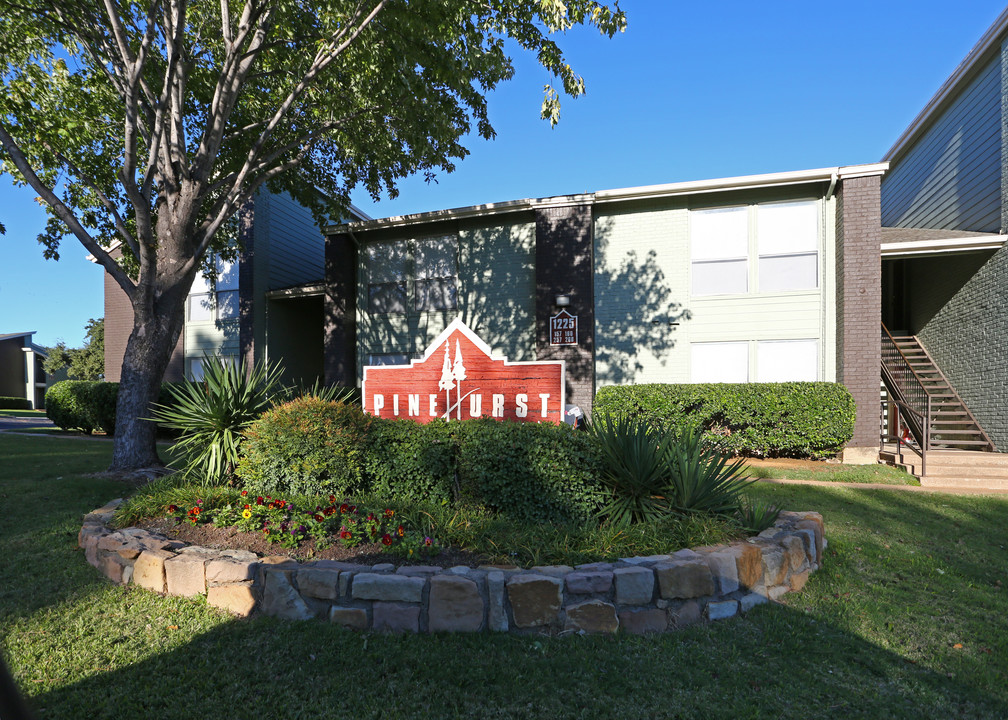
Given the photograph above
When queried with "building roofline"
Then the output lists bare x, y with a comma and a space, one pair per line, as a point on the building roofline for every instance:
693, 187
965, 72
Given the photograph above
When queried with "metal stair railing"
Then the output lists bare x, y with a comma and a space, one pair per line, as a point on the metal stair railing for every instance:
907, 393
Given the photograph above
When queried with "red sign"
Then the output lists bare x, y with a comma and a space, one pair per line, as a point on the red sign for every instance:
458, 378
563, 329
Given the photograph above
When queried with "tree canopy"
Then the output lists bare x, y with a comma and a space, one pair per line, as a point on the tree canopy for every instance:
83, 363
146, 127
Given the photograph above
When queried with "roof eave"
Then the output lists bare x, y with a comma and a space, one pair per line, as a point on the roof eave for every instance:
965, 72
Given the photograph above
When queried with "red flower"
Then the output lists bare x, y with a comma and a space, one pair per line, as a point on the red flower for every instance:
173, 508
319, 518
386, 539
374, 530
401, 531
332, 499
428, 542
346, 534
389, 513
259, 500
353, 508
247, 507
344, 508
244, 493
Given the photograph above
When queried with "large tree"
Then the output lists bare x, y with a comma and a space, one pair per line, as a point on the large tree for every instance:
145, 127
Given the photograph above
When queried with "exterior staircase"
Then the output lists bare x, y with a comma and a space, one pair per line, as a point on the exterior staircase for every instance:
952, 424
957, 453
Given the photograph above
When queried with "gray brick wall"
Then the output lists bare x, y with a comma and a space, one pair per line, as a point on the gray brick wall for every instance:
969, 341
859, 301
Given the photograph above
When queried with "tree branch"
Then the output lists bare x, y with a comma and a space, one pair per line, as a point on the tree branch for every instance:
65, 214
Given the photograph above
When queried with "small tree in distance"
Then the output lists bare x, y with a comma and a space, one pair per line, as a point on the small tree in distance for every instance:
84, 363
148, 125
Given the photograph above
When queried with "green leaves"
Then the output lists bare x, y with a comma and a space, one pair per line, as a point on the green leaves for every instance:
212, 413
651, 474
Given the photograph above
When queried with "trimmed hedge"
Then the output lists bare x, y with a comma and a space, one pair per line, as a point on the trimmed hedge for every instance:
14, 403
792, 419
411, 462
88, 405
70, 405
529, 471
306, 446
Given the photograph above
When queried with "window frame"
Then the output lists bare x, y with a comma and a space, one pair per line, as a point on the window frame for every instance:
753, 258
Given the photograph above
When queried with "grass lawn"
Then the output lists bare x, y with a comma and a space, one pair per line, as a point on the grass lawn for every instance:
785, 469
907, 619
22, 413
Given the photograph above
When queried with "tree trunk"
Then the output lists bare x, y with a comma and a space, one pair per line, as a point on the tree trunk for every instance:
148, 352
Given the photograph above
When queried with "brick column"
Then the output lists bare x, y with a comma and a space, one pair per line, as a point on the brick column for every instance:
340, 357
565, 266
859, 308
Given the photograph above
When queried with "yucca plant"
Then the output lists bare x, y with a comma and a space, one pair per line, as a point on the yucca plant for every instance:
702, 479
636, 471
755, 516
211, 414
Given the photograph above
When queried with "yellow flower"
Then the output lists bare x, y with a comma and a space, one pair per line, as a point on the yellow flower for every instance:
246, 513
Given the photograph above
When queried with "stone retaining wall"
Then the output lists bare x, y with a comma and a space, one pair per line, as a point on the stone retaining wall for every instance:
635, 595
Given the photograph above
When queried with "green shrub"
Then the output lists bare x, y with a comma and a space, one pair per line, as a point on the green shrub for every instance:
701, 480
308, 446
102, 399
210, 415
411, 462
635, 468
537, 472
70, 406
14, 403
794, 419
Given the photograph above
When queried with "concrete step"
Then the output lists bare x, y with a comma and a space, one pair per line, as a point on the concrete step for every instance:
965, 483
953, 471
968, 459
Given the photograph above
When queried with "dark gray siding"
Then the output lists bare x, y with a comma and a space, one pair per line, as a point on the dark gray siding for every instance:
296, 245
951, 178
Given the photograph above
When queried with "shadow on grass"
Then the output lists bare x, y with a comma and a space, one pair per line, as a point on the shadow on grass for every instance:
776, 662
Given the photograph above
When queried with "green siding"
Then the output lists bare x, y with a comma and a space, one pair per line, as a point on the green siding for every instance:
642, 265
495, 292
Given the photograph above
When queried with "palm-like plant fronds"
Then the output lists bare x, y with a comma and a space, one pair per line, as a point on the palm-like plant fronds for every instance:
211, 414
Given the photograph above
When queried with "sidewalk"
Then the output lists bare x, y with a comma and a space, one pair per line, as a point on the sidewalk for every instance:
884, 486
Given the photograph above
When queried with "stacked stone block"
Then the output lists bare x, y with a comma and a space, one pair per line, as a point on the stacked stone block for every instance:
636, 595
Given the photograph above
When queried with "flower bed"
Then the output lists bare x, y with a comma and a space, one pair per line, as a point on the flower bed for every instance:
636, 595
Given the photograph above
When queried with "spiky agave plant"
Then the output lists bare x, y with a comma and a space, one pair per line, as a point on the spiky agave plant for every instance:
211, 414
701, 479
635, 469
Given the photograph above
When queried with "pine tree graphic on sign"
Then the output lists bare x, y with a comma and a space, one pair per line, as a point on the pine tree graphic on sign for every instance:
459, 373
446, 382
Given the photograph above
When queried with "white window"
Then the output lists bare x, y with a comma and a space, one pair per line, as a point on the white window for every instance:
201, 307
215, 301
787, 236
717, 362
719, 250
787, 360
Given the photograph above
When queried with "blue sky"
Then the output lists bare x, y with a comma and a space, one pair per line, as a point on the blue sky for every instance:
690, 91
